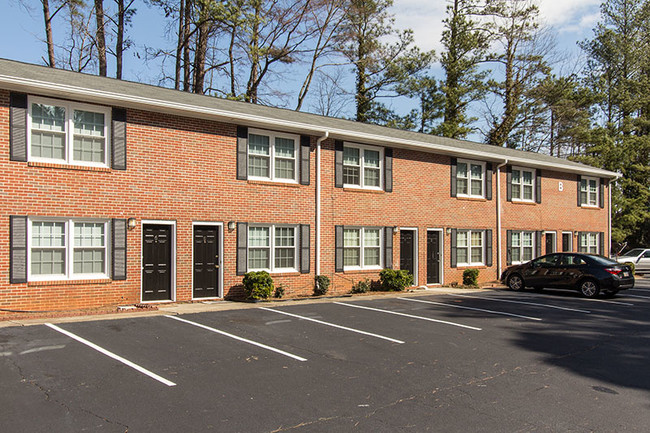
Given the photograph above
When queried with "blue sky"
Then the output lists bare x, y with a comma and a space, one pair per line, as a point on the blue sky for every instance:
22, 31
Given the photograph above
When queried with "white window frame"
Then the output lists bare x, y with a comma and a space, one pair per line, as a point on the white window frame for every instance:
469, 248
362, 148
587, 236
69, 131
272, 135
362, 249
469, 178
521, 247
596, 197
272, 269
69, 247
520, 185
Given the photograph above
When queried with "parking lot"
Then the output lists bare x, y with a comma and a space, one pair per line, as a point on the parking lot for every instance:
487, 361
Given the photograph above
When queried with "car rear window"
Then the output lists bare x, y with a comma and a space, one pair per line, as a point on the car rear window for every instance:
633, 253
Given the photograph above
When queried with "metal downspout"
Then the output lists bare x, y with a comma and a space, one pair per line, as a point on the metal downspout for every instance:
499, 257
318, 188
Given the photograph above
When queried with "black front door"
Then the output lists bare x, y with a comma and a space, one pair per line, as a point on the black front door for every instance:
550, 243
407, 251
566, 242
206, 262
156, 262
433, 257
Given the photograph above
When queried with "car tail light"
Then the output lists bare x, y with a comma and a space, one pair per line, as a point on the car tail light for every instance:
614, 271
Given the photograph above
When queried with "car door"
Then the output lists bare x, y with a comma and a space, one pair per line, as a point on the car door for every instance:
542, 271
570, 269
643, 264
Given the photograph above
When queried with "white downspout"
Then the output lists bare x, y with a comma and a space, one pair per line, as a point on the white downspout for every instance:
499, 257
318, 188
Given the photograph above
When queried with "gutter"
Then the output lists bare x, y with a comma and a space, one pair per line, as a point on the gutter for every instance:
140, 102
318, 190
499, 238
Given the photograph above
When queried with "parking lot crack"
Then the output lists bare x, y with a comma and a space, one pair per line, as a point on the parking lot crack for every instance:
126, 427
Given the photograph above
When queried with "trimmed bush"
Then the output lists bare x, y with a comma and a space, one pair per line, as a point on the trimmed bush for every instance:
258, 285
632, 266
470, 277
322, 285
394, 280
362, 286
279, 292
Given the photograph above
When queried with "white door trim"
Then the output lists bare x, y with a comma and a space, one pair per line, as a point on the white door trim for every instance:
566, 232
442, 255
220, 249
171, 223
554, 233
416, 252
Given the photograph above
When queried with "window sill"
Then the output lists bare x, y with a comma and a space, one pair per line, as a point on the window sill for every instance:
481, 266
590, 206
68, 166
366, 190
68, 282
471, 198
524, 202
272, 183
362, 271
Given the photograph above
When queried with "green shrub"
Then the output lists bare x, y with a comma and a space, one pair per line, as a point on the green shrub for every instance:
322, 285
258, 285
361, 286
470, 277
279, 292
632, 266
395, 280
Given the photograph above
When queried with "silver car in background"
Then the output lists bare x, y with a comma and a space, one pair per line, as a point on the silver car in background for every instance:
639, 256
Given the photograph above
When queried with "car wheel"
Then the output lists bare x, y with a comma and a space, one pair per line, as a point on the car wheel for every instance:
515, 283
610, 293
589, 288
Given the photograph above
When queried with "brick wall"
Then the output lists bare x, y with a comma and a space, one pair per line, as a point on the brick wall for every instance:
184, 170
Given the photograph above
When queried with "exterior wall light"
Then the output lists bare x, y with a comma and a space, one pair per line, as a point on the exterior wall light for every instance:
395, 229
231, 225
448, 230
575, 233
131, 223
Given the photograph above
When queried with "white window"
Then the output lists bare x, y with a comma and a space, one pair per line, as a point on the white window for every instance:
470, 179
272, 156
272, 248
522, 184
68, 133
588, 191
589, 243
469, 248
361, 248
67, 249
522, 247
362, 166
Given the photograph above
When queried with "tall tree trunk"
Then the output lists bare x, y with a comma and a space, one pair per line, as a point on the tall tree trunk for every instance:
231, 59
200, 52
186, 46
48, 33
181, 43
251, 88
100, 37
119, 44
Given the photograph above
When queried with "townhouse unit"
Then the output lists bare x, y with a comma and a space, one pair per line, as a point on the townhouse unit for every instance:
118, 193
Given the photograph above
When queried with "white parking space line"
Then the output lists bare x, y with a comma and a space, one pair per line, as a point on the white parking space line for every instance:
411, 316
112, 355
557, 307
245, 340
470, 308
333, 325
637, 296
604, 301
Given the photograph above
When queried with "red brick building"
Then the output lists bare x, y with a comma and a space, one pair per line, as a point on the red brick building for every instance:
116, 193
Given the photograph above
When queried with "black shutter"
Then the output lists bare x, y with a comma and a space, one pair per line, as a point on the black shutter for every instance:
453, 251
242, 248
509, 247
242, 153
509, 183
452, 181
488, 248
388, 247
338, 164
18, 249
18, 126
602, 194
304, 248
581, 235
538, 186
118, 267
388, 169
338, 261
305, 146
601, 243
488, 181
118, 144
538, 243
579, 181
